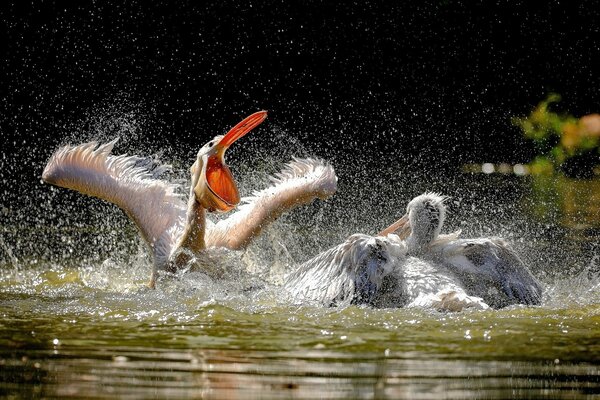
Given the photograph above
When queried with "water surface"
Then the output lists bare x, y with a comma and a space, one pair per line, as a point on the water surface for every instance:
78, 321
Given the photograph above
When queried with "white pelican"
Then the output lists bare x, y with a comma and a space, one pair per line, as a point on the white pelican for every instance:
421, 269
377, 271
486, 267
172, 229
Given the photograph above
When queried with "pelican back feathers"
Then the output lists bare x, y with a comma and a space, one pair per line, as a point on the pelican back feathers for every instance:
489, 268
350, 273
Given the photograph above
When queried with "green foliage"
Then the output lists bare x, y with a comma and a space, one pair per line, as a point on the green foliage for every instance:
561, 140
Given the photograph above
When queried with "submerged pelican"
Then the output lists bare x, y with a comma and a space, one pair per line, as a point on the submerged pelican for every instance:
173, 230
417, 268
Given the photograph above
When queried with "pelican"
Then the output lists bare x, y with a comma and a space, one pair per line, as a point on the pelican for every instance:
174, 230
377, 271
487, 268
418, 267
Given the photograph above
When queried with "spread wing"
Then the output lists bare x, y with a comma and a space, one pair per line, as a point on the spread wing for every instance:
130, 182
300, 182
492, 263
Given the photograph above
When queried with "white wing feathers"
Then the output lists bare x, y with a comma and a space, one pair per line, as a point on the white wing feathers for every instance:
157, 208
130, 182
484, 264
300, 182
330, 277
349, 273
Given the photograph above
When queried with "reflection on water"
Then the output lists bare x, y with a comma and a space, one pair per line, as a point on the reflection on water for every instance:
77, 320
317, 374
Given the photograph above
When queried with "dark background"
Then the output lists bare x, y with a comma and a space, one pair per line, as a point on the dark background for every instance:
417, 84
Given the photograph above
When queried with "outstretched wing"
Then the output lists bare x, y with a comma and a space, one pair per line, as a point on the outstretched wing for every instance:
130, 182
300, 182
484, 264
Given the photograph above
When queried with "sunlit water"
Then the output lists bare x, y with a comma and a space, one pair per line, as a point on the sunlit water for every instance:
78, 321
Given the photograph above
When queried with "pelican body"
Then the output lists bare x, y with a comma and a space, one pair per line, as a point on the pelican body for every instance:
377, 271
417, 267
353, 272
175, 230
487, 268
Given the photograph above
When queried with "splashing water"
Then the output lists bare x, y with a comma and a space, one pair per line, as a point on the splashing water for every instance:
77, 315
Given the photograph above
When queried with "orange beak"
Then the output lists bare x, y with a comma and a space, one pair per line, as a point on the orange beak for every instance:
400, 227
224, 194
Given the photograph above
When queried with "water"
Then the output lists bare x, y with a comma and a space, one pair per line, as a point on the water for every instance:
78, 321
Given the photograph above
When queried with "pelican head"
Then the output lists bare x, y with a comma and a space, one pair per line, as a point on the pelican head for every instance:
422, 223
212, 181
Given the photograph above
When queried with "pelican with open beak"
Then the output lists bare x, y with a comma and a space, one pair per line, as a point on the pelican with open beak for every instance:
173, 229
212, 181
212, 189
